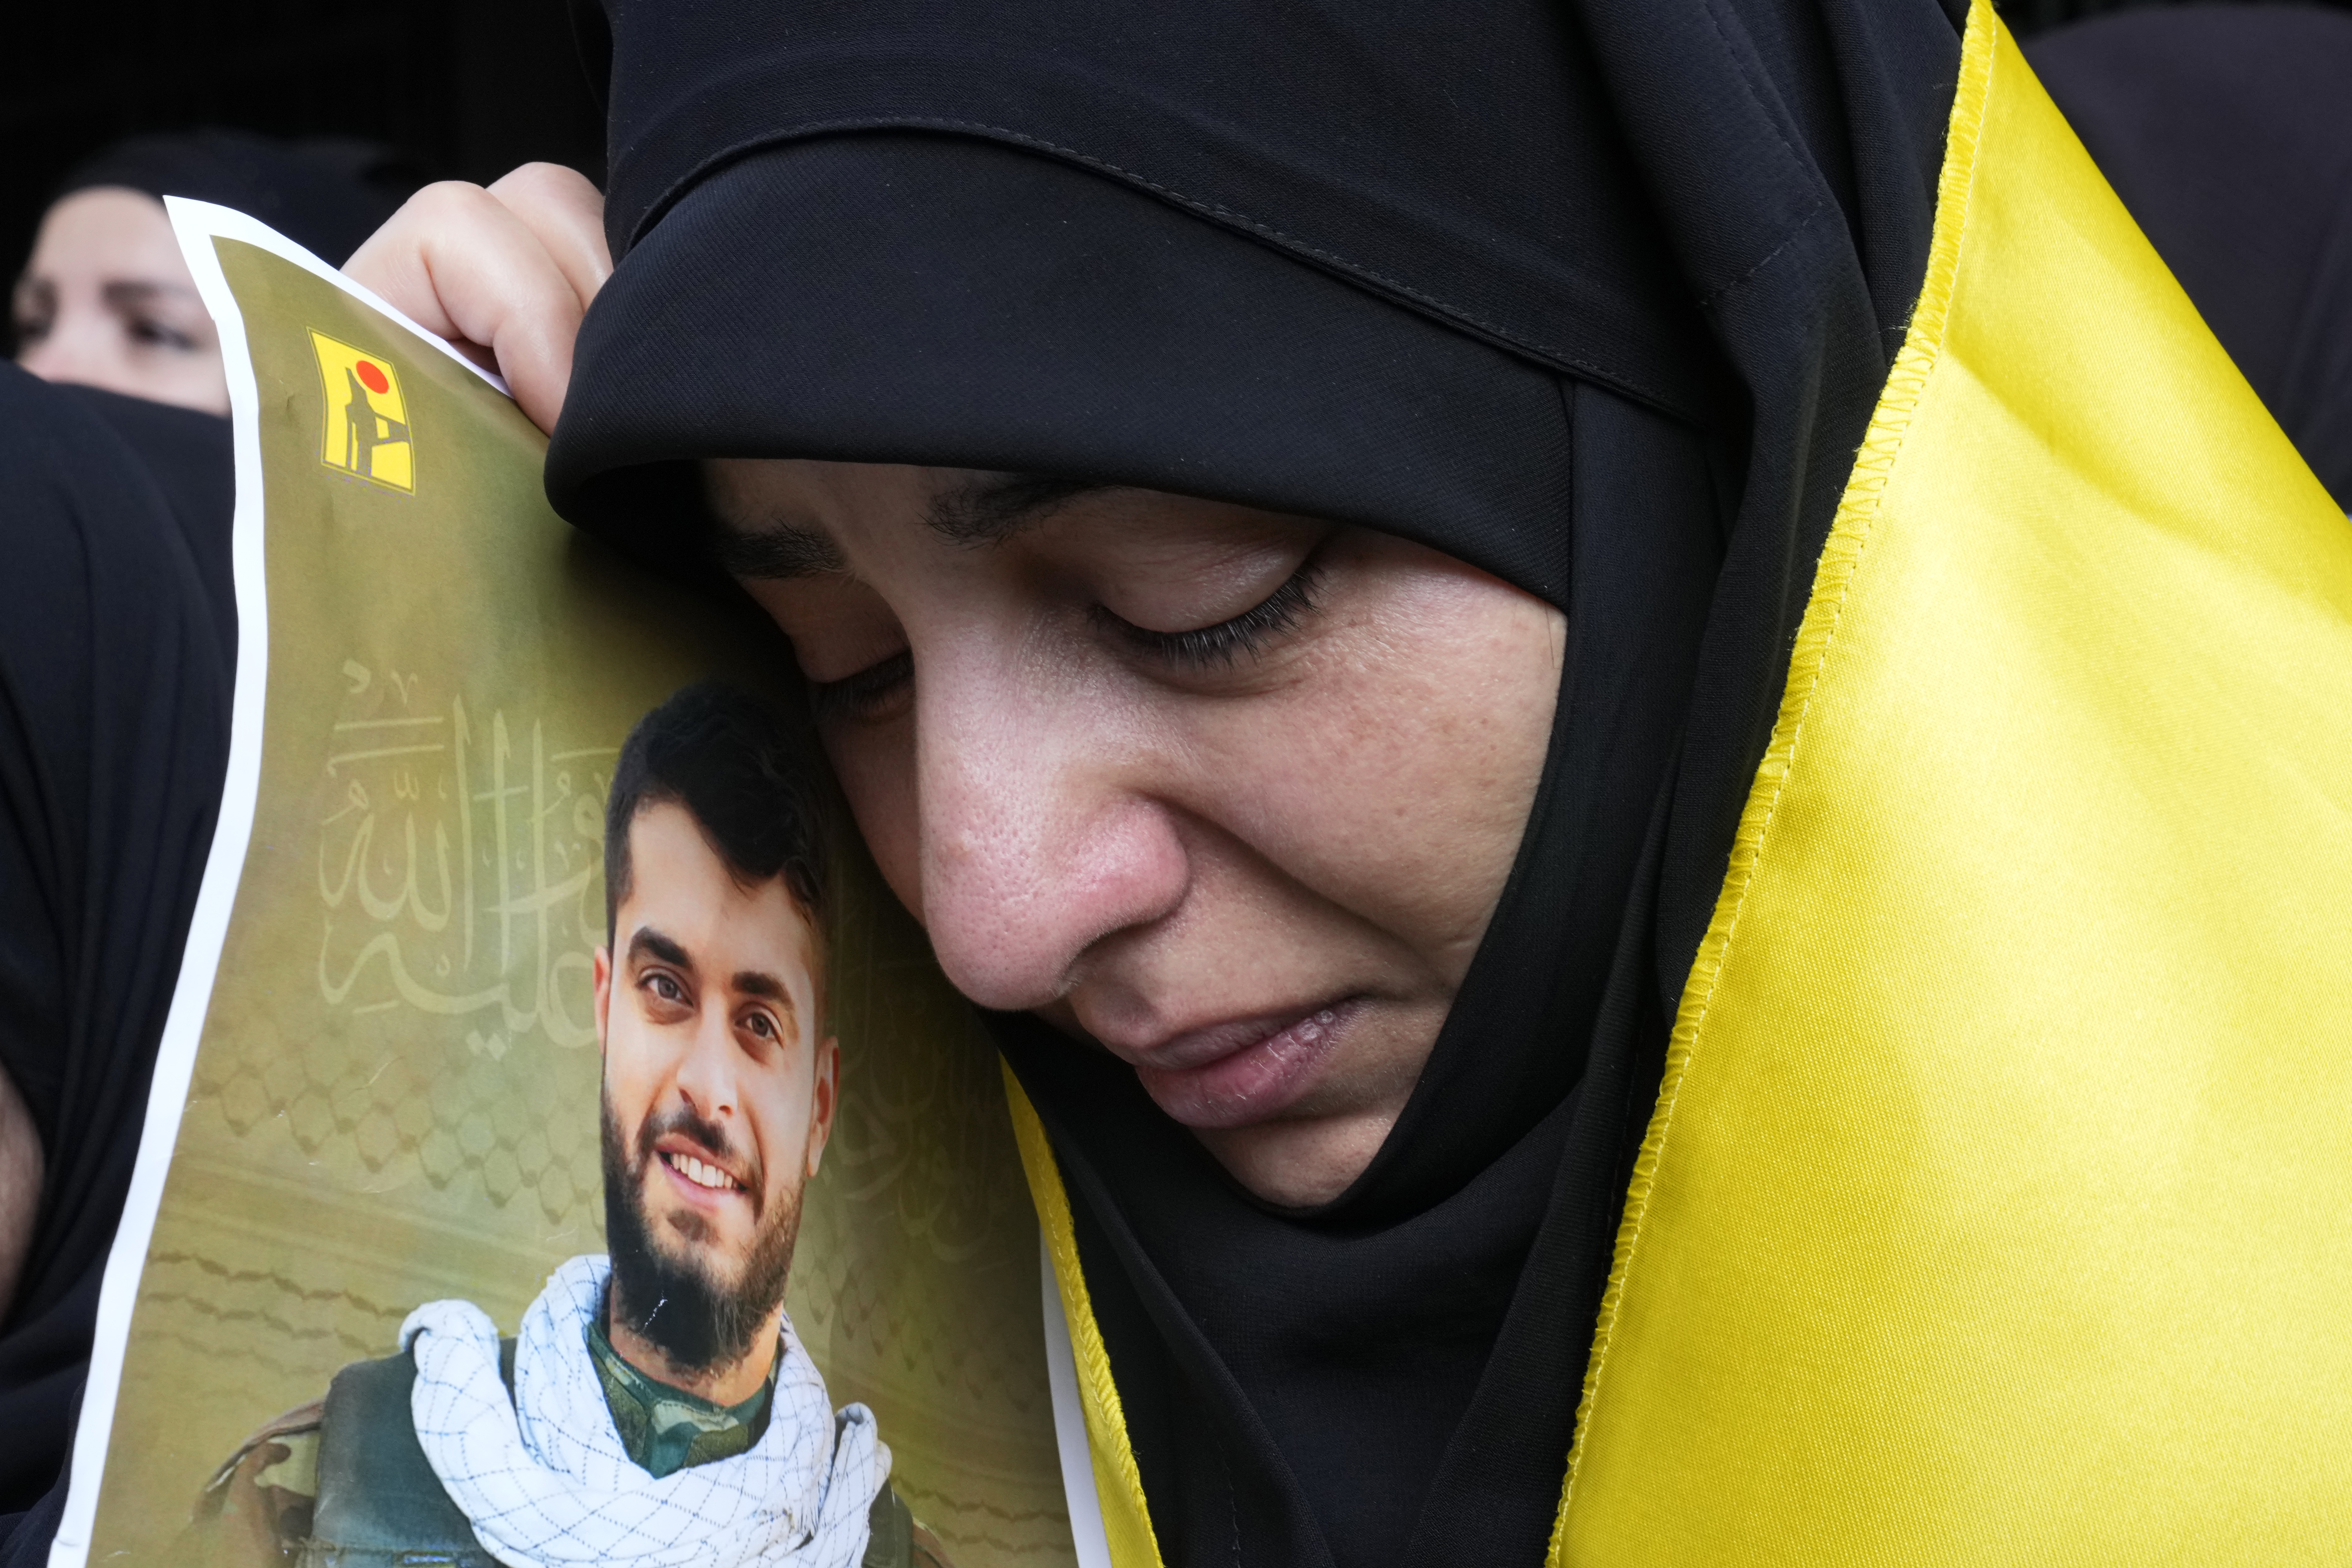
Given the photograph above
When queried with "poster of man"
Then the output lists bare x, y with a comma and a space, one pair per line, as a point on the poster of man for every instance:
657, 1406
561, 1124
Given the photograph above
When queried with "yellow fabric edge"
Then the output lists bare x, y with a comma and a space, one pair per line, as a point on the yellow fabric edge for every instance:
1841, 554
1118, 1484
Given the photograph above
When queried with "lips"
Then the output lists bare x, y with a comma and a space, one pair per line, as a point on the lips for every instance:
1245, 1070
694, 1174
700, 1173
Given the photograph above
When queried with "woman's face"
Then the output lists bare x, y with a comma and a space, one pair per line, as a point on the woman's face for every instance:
1230, 793
106, 301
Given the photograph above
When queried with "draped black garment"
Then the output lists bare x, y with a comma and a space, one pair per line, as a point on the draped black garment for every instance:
117, 661
1595, 296
2227, 130
115, 677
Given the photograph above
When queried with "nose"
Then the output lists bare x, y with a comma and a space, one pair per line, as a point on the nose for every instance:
1040, 831
706, 1076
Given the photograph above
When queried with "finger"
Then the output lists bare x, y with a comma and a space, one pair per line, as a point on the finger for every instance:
464, 265
567, 213
392, 261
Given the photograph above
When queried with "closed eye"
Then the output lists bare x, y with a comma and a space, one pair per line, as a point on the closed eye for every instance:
874, 690
1222, 646
865, 694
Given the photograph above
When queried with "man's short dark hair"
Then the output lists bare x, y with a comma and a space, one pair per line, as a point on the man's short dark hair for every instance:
728, 758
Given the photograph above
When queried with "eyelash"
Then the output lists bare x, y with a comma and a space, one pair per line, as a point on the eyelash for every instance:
1223, 646
859, 696
1204, 648
157, 334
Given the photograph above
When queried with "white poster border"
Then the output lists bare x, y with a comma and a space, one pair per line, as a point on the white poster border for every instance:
198, 226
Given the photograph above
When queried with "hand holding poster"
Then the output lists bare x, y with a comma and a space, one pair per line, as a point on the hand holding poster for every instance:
563, 1149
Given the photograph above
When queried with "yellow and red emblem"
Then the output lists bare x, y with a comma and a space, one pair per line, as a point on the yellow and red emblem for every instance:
366, 431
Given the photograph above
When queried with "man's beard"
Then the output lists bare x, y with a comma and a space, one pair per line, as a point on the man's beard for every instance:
695, 1320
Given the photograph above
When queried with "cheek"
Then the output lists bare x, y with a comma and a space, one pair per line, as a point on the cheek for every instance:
1394, 779
780, 1126
634, 1070
876, 769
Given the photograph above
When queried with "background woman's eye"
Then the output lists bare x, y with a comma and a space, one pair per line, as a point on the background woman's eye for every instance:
1223, 645
866, 694
33, 311
158, 335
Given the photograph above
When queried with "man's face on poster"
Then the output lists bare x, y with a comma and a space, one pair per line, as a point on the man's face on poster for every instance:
719, 1091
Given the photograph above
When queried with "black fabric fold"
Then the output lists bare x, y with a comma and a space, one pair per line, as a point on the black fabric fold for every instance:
1298, 393
1334, 133
115, 682
188, 455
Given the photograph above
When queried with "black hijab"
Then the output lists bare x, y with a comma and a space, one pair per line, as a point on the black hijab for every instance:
2227, 130
1597, 297
115, 676
325, 193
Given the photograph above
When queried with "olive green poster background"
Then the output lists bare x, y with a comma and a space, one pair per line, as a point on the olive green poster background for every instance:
395, 1096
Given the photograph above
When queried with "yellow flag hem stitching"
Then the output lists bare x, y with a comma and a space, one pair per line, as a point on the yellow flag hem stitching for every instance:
1840, 558
1127, 1518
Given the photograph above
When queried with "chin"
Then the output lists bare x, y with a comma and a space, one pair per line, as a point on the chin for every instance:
1302, 1163
691, 1229
687, 1242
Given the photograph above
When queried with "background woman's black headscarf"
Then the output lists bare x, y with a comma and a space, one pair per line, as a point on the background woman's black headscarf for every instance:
326, 193
1597, 297
116, 656
2227, 130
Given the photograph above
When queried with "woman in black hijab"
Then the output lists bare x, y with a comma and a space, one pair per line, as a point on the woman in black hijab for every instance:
115, 672
1594, 301
106, 300
2224, 129
117, 658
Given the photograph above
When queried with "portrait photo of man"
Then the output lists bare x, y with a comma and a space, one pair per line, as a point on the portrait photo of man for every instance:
655, 1405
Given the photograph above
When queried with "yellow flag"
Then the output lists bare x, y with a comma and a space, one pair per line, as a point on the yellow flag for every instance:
1993, 1212
365, 430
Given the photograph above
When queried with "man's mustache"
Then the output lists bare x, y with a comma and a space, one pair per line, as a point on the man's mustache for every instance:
716, 1148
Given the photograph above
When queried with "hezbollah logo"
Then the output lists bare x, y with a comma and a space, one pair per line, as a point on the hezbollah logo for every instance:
366, 428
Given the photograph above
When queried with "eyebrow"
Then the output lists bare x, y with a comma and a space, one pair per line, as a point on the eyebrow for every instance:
759, 982
124, 293
988, 510
776, 550
648, 940
995, 507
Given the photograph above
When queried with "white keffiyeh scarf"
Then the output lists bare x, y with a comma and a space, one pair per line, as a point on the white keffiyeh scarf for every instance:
543, 1479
